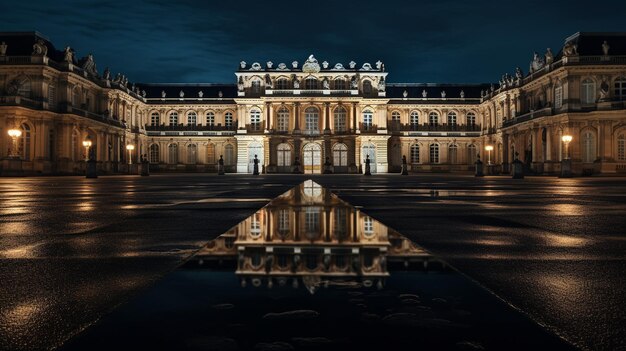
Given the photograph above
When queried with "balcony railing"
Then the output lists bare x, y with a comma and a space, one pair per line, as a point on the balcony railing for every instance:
547, 111
397, 127
197, 127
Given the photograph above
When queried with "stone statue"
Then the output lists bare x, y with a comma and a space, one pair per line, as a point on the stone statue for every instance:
220, 165
282, 67
405, 170
90, 65
368, 171
163, 94
352, 64
462, 94
256, 166
68, 55
242, 64
381, 85
570, 49
354, 83
325, 64
604, 89
181, 94
294, 64
3, 49
379, 65
132, 87
424, 94
143, 93
268, 81
405, 94
443, 94
240, 84
325, 83
118, 78
605, 48
549, 56
220, 94
311, 65
296, 165
107, 74
482, 93
518, 73
200, 94
537, 63
40, 48
296, 83
270, 64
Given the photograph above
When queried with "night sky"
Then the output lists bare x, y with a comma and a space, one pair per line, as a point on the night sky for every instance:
439, 41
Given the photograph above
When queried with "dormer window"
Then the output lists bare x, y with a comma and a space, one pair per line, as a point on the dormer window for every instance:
367, 87
310, 83
340, 84
256, 87
282, 84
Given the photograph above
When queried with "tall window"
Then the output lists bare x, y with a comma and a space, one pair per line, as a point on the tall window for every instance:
192, 118
621, 148
154, 153
229, 155
452, 154
415, 153
191, 154
283, 119
558, 96
210, 119
155, 119
434, 153
173, 153
284, 155
620, 88
588, 91
310, 83
452, 119
367, 119
471, 154
433, 119
174, 118
283, 221
340, 155
228, 119
368, 226
311, 119
25, 144
210, 153
52, 96
471, 120
589, 147
255, 119
415, 119
340, 119
25, 87
367, 87
340, 84
256, 87
282, 84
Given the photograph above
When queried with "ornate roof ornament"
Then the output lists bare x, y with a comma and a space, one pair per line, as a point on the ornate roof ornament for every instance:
462, 94
3, 49
424, 93
269, 64
68, 54
242, 64
40, 48
366, 67
311, 65
220, 94
163, 94
181, 94
405, 94
282, 67
338, 67
294, 64
90, 65
352, 64
200, 94
379, 65
605, 48
255, 67
443, 94
570, 49
325, 64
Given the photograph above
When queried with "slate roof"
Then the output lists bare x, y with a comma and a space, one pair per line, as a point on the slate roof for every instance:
191, 90
453, 91
21, 44
590, 43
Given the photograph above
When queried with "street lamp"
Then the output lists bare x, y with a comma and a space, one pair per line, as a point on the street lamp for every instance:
566, 163
489, 148
130, 148
14, 134
87, 144
566, 139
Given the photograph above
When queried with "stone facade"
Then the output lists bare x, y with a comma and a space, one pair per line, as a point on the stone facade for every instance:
312, 113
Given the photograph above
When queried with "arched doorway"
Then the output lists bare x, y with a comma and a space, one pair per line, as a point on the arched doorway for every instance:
369, 149
340, 158
255, 149
312, 153
283, 152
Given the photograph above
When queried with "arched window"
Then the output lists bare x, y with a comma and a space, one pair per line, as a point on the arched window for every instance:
367, 87
433, 119
471, 154
25, 143
452, 119
228, 119
282, 84
395, 116
588, 91
558, 96
471, 120
620, 88
310, 83
210, 153
452, 154
367, 119
24, 88
621, 148
340, 84
210, 118
229, 155
284, 155
340, 155
283, 119
589, 147
256, 86
174, 118
415, 153
255, 119
154, 153
311, 119
155, 119
434, 153
339, 119
192, 118
415, 119
191, 154
172, 154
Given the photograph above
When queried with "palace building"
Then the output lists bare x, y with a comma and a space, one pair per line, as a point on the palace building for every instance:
57, 110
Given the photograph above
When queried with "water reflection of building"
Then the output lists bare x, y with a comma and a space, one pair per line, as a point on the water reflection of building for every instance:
310, 234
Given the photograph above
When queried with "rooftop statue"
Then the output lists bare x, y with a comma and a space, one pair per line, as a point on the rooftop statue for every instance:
90, 65
570, 49
518, 73
325, 64
200, 94
68, 55
549, 56
424, 94
537, 63
443, 94
605, 48
3, 49
352, 64
311, 65
242, 64
107, 74
163, 94
143, 93
462, 94
220, 94
294, 64
282, 66
379, 65
40, 48
181, 94
405, 93
270, 64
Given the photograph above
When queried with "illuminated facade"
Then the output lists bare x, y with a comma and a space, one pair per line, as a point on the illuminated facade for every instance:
312, 113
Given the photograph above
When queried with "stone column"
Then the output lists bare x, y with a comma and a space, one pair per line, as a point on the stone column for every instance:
355, 126
296, 110
268, 116
326, 118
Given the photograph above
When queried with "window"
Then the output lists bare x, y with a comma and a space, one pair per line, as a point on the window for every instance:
433, 119
52, 96
154, 153
452, 154
256, 86
434, 153
255, 225
255, 119
229, 155
191, 154
415, 153
75, 97
340, 155
558, 96
415, 119
311, 119
589, 147
368, 226
24, 87
283, 221
620, 88
283, 119
588, 91
340, 84
395, 116
192, 118
25, 144
452, 119
284, 155
210, 119
471, 120
310, 83
471, 154
210, 153
340, 223
173, 154
340, 119
621, 148
154, 119
228, 119
174, 118
367, 119
282, 84
312, 221
367, 87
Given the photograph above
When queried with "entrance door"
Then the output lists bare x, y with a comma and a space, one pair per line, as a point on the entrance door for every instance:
369, 149
255, 149
312, 158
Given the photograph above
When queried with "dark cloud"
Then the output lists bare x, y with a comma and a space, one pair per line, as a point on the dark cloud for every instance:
203, 41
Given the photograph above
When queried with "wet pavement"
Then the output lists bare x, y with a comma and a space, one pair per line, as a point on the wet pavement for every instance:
73, 249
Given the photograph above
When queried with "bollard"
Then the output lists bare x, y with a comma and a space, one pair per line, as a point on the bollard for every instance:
566, 168
92, 170
145, 168
518, 168
478, 167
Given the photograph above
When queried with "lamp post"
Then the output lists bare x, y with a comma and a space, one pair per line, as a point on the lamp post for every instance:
87, 144
130, 148
489, 148
14, 134
566, 163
